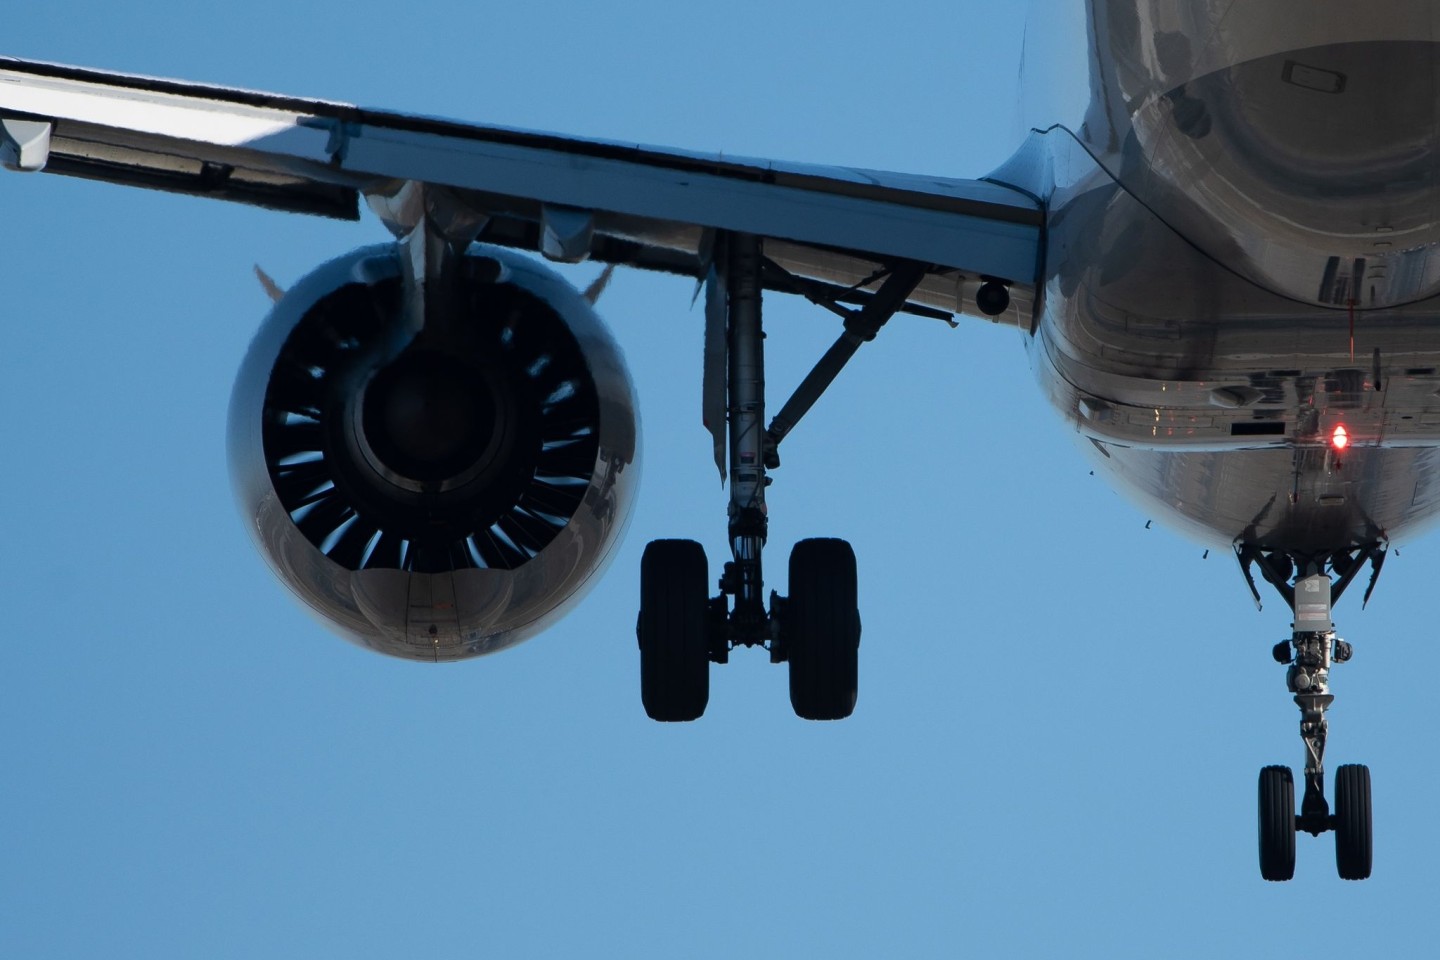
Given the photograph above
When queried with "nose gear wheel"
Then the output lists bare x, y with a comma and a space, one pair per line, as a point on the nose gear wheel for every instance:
1352, 822
1277, 823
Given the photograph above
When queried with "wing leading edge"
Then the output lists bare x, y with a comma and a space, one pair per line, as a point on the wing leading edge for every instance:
565, 197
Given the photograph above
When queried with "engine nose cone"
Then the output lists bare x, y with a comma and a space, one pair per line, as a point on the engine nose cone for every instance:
429, 417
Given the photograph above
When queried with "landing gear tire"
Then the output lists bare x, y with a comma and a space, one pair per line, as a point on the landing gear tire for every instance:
821, 630
1352, 821
1277, 823
672, 630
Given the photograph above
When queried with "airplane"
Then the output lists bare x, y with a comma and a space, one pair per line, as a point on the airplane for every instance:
1221, 270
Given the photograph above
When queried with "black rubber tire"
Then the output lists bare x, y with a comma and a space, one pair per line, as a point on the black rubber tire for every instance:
1353, 838
1277, 823
821, 630
673, 630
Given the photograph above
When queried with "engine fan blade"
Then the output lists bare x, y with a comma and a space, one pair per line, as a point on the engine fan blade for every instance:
293, 389
388, 554
301, 483
497, 552
460, 556
284, 440
565, 417
527, 532
324, 518
349, 550
556, 500
576, 461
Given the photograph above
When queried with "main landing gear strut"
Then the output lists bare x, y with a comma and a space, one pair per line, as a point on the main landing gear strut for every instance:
816, 629
1310, 653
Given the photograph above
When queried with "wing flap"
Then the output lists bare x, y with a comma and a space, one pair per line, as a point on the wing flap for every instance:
231, 179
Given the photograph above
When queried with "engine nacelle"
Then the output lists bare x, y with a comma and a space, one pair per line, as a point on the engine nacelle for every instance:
439, 495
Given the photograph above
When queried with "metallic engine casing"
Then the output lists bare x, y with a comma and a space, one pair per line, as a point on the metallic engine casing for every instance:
457, 614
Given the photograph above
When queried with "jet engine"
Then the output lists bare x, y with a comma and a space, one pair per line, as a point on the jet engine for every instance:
436, 490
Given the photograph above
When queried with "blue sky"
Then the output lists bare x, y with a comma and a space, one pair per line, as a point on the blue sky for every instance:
1062, 713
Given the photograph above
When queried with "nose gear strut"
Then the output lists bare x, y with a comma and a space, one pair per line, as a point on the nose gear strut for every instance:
1310, 653
1309, 680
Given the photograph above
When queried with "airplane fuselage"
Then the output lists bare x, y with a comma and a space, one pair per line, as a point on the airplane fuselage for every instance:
1243, 255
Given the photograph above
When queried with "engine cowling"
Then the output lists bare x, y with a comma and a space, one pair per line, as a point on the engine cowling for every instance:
442, 495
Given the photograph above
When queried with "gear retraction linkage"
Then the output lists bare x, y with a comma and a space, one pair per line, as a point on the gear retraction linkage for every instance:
861, 326
735, 332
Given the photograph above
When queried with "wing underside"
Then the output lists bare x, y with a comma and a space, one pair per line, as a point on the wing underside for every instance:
830, 232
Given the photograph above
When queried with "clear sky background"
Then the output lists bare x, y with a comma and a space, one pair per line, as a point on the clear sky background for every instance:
1062, 713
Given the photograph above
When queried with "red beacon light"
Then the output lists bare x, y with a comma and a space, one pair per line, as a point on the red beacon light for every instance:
1340, 439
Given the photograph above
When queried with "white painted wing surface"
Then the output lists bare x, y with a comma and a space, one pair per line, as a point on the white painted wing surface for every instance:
650, 208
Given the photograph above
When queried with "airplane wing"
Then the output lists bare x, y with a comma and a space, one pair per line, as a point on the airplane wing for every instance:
829, 231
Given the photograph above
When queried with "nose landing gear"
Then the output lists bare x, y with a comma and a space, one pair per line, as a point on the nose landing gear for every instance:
1308, 680
1310, 653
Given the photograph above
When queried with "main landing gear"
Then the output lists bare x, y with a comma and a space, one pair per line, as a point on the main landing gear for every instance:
1310, 653
816, 629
